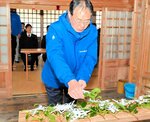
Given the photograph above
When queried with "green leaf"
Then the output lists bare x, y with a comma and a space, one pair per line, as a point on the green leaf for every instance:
67, 115
36, 105
86, 94
93, 114
40, 119
51, 118
135, 111
132, 108
27, 115
83, 104
46, 113
96, 91
122, 107
93, 94
146, 105
94, 111
50, 109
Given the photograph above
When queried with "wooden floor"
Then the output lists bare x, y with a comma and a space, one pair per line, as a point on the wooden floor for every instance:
9, 108
33, 85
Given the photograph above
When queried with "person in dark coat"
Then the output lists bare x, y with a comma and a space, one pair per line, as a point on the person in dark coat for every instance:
28, 41
43, 45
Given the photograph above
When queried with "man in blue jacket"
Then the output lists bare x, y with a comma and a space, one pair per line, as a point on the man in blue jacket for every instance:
15, 31
71, 47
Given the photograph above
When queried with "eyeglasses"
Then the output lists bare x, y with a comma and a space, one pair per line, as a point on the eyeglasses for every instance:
80, 21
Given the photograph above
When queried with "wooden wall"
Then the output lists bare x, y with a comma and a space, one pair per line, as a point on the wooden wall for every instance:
140, 47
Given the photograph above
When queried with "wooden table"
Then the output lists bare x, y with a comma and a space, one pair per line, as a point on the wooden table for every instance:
29, 51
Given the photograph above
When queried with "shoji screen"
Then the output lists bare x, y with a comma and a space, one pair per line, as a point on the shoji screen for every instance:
115, 46
5, 55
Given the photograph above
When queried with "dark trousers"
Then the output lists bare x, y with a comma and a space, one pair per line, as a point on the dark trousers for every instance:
31, 60
59, 96
36, 58
13, 47
44, 56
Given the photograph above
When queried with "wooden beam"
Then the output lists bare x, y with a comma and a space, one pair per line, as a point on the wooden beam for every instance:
96, 3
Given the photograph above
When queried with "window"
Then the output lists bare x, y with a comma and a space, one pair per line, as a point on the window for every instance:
98, 19
32, 17
50, 16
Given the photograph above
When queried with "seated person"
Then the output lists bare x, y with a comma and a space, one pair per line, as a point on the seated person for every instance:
43, 45
28, 41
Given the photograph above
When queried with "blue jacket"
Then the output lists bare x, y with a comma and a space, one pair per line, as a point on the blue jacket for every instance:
15, 24
70, 54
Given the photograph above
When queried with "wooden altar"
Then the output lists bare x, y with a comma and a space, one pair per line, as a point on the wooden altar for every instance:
143, 114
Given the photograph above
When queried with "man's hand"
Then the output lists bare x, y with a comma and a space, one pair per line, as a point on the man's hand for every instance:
75, 90
82, 83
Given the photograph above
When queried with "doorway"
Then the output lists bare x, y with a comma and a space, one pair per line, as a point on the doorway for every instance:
39, 19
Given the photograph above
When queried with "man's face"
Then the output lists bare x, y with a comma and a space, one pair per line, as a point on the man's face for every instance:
28, 29
80, 19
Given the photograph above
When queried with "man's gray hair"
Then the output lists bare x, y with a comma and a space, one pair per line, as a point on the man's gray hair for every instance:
82, 3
